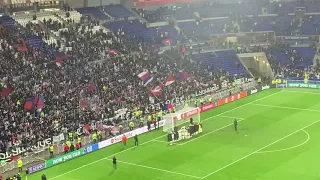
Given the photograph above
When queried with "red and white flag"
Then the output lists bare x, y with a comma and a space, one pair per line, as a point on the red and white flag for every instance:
169, 80
157, 90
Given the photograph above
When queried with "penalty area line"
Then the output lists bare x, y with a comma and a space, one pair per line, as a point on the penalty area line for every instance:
255, 152
285, 107
289, 148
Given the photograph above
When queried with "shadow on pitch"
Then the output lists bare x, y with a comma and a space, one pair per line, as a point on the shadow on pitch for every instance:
111, 172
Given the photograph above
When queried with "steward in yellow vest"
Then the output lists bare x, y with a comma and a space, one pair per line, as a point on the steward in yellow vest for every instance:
94, 137
99, 135
51, 150
70, 136
20, 164
259, 80
68, 143
131, 125
79, 141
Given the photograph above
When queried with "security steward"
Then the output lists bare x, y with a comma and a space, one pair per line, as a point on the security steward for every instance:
259, 80
94, 137
99, 135
70, 136
159, 119
201, 102
51, 150
141, 121
131, 125
20, 164
79, 141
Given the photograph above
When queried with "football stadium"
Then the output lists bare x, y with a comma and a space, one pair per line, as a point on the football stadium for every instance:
277, 137
159, 89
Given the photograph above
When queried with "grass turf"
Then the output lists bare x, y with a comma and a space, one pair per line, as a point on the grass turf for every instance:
277, 139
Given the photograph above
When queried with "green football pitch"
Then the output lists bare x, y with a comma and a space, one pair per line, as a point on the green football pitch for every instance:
278, 139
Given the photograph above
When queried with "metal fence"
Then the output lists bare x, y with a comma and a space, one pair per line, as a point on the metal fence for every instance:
43, 154
30, 158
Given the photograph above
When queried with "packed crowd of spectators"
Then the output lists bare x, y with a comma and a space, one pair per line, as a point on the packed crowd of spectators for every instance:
98, 77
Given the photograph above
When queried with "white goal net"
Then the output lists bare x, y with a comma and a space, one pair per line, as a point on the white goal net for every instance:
180, 118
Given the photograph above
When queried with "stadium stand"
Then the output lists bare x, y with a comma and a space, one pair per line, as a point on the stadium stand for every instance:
87, 71
117, 11
95, 12
135, 28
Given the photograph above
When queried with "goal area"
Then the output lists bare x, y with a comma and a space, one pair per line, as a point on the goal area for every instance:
181, 117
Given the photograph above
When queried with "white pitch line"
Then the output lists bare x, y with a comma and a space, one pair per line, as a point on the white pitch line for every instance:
302, 92
161, 136
232, 117
285, 107
158, 169
278, 150
244, 157
165, 142
193, 139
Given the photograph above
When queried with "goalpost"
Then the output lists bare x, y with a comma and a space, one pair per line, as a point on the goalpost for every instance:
181, 117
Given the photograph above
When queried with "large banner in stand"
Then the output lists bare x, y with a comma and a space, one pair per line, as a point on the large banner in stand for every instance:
125, 112
17, 151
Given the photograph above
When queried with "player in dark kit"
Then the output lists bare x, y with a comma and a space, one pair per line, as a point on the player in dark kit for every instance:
43, 177
136, 142
114, 161
235, 124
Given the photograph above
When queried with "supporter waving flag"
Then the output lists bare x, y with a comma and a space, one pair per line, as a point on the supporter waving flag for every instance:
113, 51
169, 80
40, 103
181, 76
145, 77
29, 104
91, 88
5, 92
168, 106
157, 90
58, 63
59, 60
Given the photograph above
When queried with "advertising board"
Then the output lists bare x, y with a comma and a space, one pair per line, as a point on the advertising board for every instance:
65, 157
232, 98
91, 148
265, 87
303, 85
36, 168
207, 107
